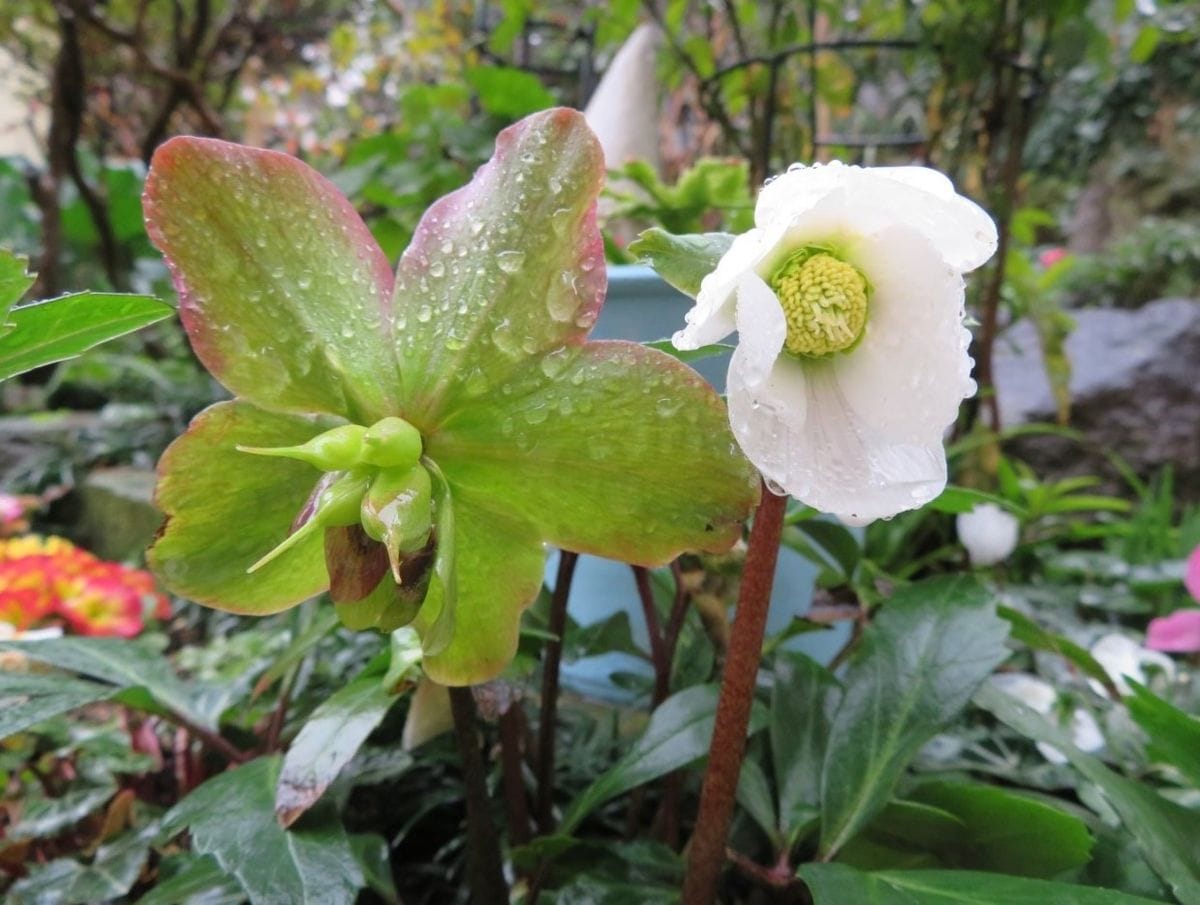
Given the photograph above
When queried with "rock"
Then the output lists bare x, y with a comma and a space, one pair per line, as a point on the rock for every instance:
117, 518
1135, 392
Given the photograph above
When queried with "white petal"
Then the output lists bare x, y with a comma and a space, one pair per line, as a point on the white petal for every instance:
712, 317
1029, 689
917, 197
762, 329
911, 370
798, 430
1122, 656
1085, 731
989, 533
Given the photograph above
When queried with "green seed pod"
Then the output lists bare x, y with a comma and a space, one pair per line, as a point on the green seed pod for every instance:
398, 511
338, 504
334, 450
391, 443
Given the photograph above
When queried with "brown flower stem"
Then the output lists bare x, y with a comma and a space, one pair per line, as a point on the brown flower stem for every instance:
658, 648
484, 865
552, 660
516, 805
706, 851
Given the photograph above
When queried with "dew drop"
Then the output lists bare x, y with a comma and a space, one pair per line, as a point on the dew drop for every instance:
424, 313
510, 261
437, 269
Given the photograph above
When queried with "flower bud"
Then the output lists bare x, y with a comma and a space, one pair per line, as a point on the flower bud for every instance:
989, 533
337, 505
398, 511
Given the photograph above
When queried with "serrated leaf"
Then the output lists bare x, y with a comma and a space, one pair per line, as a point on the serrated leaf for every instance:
679, 732
931, 646
232, 818
27, 699
61, 328
122, 663
683, 261
225, 509
327, 741
112, 872
1168, 834
837, 884
283, 292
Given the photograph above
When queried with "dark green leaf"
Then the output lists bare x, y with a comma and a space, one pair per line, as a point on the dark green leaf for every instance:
755, 796
28, 698
841, 547
917, 667
232, 818
836, 884
65, 881
1006, 832
679, 732
1174, 735
61, 328
683, 261
802, 700
46, 817
126, 664
332, 735
371, 851
1168, 834
200, 880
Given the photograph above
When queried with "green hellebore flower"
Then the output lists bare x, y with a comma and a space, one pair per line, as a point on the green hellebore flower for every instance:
474, 355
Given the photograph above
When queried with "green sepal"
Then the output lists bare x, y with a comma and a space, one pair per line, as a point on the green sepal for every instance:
437, 619
398, 512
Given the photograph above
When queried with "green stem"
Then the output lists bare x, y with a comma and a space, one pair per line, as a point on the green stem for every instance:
706, 851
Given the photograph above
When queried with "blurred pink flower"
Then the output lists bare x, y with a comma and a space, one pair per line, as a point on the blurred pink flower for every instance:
1052, 256
11, 508
1178, 633
1191, 577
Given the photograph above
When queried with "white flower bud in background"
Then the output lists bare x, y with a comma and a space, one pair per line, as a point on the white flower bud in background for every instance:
989, 533
1040, 696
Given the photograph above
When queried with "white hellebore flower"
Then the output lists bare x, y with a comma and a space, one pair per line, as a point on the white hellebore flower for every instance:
852, 357
1041, 696
989, 533
1122, 656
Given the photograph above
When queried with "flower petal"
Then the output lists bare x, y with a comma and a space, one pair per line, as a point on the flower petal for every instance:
500, 561
283, 291
225, 509
503, 270
613, 449
908, 375
918, 197
1178, 632
762, 329
799, 430
712, 317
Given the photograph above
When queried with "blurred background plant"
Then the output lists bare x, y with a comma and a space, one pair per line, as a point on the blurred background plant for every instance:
1075, 122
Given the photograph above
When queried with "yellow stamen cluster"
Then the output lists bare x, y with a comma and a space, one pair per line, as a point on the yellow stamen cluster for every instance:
824, 301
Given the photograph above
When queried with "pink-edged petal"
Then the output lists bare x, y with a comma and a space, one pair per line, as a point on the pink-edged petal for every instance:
1191, 577
1177, 633
504, 270
283, 292
910, 372
611, 448
225, 509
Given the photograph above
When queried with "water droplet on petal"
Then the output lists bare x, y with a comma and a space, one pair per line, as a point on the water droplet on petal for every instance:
510, 261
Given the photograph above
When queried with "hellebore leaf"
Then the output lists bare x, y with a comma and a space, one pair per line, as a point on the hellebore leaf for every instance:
225, 509
611, 448
504, 270
283, 291
683, 261
15, 281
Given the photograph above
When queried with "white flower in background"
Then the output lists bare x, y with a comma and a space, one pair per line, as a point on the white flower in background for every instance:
1122, 656
1041, 696
989, 533
852, 357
